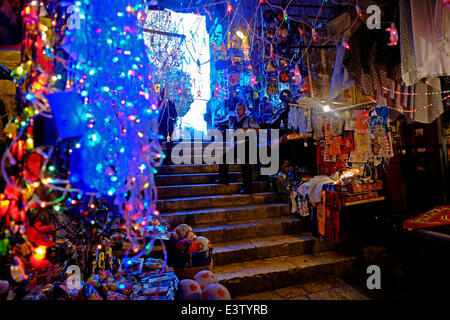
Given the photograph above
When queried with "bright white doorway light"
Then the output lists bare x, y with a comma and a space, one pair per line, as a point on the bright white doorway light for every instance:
195, 49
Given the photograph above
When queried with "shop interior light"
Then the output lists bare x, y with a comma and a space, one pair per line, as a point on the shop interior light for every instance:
326, 108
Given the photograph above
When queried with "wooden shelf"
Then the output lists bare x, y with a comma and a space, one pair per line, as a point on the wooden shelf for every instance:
363, 201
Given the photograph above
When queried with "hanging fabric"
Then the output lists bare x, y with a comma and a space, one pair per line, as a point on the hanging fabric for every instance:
431, 33
408, 56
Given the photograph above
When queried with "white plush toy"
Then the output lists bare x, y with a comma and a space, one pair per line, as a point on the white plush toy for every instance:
205, 278
189, 290
200, 244
215, 291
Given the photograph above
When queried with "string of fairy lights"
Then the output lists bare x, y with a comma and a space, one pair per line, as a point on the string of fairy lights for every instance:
414, 108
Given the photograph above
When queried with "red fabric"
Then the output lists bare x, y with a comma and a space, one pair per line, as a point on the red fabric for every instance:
319, 154
437, 216
333, 209
33, 165
321, 215
348, 143
38, 234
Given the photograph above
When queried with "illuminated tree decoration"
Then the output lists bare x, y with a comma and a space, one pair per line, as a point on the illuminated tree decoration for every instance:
119, 149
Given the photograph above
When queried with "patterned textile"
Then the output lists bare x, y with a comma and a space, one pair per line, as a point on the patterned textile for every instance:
408, 56
438, 216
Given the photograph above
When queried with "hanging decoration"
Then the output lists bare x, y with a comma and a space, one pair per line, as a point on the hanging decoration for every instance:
272, 86
393, 35
92, 164
413, 109
415, 93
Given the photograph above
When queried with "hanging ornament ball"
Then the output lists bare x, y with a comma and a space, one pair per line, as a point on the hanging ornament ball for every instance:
200, 244
284, 76
283, 32
183, 231
283, 63
189, 290
205, 278
270, 67
279, 15
215, 291
183, 245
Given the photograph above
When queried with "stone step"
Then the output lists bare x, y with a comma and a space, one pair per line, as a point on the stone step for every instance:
197, 151
275, 273
167, 192
192, 159
268, 247
196, 160
192, 203
197, 218
196, 144
197, 178
198, 168
251, 229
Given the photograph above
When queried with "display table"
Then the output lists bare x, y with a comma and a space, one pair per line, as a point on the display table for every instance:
354, 203
363, 220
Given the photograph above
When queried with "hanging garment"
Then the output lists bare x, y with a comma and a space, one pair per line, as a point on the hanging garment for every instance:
378, 142
362, 121
340, 29
313, 188
321, 215
341, 79
408, 56
318, 125
361, 152
388, 144
350, 121
302, 121
293, 198
343, 161
370, 61
335, 145
431, 33
307, 113
348, 144
427, 115
336, 124
304, 209
320, 153
333, 209
292, 121
396, 100
378, 117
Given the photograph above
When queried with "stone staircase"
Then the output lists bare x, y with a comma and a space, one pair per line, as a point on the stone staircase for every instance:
258, 244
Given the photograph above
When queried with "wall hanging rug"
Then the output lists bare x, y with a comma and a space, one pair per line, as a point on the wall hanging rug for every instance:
437, 216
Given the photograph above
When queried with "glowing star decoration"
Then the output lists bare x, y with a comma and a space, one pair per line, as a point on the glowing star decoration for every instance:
393, 35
